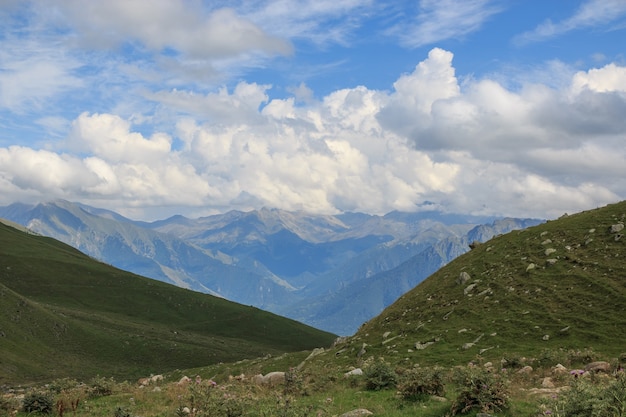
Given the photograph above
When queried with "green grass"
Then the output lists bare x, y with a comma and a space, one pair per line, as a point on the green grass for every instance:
579, 303
64, 314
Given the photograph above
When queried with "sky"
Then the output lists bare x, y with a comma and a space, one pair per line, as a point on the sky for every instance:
159, 107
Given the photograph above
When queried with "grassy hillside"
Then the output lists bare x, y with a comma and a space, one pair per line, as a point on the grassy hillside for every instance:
64, 314
556, 287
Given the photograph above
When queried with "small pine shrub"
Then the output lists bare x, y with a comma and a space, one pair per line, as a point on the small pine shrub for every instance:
416, 384
480, 391
379, 375
38, 402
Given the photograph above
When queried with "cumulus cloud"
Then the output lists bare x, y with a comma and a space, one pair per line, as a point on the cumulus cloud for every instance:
477, 147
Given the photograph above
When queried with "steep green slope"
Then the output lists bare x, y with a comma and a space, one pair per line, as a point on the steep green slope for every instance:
64, 314
556, 287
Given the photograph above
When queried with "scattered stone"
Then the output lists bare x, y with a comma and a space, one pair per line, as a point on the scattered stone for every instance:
469, 289
526, 370
463, 278
530, 267
592, 230
546, 242
354, 372
549, 251
618, 237
422, 346
488, 365
359, 412
362, 351
615, 228
386, 335
462, 331
599, 366
547, 382
184, 380
559, 370
543, 234
546, 337
551, 261
439, 399
467, 346
564, 329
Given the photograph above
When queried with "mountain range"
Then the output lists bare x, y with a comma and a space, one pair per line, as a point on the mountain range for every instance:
331, 272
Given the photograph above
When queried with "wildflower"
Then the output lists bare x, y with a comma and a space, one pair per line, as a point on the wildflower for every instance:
576, 372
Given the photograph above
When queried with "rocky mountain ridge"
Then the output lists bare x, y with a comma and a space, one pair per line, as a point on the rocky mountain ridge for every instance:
326, 271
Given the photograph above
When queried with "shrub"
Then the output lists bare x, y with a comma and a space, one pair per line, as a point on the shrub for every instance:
481, 391
417, 383
122, 412
101, 387
294, 383
379, 375
38, 402
586, 399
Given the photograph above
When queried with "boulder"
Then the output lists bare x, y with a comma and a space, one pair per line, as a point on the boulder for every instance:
463, 278
469, 289
184, 380
598, 366
354, 372
615, 228
274, 378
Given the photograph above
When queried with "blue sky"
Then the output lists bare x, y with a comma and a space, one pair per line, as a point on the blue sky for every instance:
161, 107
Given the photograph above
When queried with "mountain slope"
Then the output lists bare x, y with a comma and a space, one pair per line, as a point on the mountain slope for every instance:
63, 313
554, 287
315, 269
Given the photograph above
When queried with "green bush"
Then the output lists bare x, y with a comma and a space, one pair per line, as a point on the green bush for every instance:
38, 402
480, 391
588, 399
101, 387
416, 384
379, 375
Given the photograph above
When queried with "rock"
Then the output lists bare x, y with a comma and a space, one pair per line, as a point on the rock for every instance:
615, 228
156, 378
274, 378
618, 237
184, 380
422, 346
546, 337
559, 370
549, 251
257, 379
359, 412
354, 372
439, 399
463, 278
530, 267
547, 382
546, 242
467, 346
474, 244
469, 289
551, 261
599, 366
386, 335
362, 351
526, 370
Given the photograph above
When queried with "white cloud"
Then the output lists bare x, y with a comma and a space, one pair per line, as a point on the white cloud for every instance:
185, 27
439, 20
535, 151
591, 13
